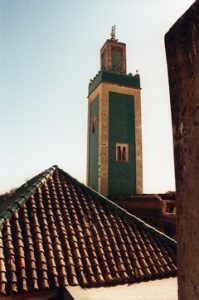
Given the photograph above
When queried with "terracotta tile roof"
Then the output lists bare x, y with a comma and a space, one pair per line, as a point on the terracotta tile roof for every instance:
57, 232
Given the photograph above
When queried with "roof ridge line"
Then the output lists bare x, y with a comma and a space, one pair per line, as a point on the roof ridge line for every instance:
25, 195
143, 224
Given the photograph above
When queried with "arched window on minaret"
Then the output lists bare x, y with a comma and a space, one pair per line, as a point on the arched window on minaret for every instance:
122, 152
94, 124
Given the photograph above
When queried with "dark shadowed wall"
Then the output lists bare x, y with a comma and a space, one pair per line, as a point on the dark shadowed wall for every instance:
182, 48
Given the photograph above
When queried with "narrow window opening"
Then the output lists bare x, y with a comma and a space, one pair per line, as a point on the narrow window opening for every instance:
119, 153
122, 152
94, 124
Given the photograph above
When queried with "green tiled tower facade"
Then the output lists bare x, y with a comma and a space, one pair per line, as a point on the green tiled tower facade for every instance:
114, 156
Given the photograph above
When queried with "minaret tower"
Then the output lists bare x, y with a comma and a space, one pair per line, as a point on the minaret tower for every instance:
114, 154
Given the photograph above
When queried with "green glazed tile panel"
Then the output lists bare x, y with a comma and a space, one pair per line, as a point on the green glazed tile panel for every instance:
122, 175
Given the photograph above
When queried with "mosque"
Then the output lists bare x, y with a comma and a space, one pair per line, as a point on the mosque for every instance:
62, 240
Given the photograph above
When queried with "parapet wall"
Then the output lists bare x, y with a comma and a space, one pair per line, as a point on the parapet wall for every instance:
105, 76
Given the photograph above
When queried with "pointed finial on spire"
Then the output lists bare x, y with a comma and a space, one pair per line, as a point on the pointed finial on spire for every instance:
113, 31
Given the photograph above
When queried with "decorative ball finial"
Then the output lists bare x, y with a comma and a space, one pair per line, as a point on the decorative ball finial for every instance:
113, 32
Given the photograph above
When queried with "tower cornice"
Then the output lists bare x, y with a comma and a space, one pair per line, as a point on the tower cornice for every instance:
120, 79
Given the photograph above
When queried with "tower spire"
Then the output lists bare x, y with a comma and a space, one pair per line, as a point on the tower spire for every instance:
113, 32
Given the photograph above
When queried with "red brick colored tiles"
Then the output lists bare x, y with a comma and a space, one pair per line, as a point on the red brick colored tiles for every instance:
66, 235
3, 279
143, 265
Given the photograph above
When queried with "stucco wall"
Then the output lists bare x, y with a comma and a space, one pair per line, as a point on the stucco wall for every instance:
182, 47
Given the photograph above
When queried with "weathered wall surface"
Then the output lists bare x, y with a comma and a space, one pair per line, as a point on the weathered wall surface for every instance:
150, 209
182, 48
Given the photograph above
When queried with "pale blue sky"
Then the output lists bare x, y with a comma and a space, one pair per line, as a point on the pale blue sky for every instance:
49, 50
